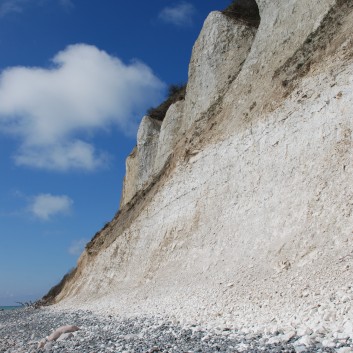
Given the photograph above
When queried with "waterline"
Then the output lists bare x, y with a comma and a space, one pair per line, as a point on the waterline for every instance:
9, 307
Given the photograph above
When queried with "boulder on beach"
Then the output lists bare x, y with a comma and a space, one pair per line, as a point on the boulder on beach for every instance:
61, 330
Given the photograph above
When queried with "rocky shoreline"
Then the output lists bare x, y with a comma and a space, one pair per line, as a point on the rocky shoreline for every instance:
21, 331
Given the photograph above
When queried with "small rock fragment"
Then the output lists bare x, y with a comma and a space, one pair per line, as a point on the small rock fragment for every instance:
344, 350
300, 349
41, 343
48, 346
305, 340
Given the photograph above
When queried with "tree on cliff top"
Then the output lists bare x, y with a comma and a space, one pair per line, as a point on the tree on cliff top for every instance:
175, 94
246, 11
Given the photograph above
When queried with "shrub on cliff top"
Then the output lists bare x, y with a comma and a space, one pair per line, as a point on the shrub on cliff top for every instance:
246, 11
175, 94
49, 298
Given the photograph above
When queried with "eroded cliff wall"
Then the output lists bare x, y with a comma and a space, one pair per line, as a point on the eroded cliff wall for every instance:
240, 208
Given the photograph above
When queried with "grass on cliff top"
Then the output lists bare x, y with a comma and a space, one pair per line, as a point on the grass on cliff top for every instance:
246, 11
175, 94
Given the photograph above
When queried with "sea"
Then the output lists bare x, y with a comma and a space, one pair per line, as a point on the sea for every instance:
9, 307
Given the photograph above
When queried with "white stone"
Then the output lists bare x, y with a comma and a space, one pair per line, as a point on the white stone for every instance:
344, 350
304, 331
131, 337
304, 341
300, 349
342, 336
274, 340
348, 328
330, 316
282, 338
328, 343
320, 330
288, 336
242, 347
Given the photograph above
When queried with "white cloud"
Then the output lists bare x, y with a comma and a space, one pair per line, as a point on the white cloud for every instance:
9, 6
62, 156
77, 247
45, 206
86, 90
179, 15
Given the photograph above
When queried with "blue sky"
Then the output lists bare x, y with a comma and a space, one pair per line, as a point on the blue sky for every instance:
76, 77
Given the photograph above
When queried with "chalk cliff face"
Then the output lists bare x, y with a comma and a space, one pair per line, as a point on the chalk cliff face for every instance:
238, 207
218, 56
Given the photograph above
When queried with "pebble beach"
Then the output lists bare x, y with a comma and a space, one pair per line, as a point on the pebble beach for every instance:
21, 331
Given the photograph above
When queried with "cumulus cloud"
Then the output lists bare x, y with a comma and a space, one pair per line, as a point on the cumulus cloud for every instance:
180, 15
52, 111
77, 247
45, 206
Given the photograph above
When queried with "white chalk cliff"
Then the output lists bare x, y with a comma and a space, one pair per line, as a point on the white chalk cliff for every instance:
237, 209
